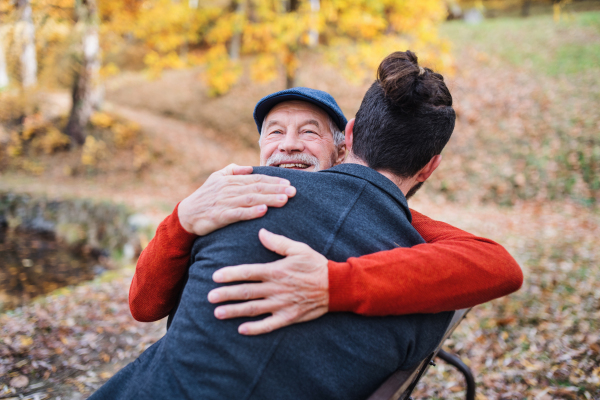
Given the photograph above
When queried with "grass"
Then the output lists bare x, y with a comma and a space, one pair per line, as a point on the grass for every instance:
568, 47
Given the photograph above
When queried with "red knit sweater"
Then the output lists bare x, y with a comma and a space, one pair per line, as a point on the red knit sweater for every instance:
453, 270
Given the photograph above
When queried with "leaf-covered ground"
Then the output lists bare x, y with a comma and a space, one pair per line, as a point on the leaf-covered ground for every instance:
65, 345
543, 341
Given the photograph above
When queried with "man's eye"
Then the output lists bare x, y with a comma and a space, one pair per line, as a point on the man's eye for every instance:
276, 132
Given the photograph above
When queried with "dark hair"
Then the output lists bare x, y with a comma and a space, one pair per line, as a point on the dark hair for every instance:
405, 118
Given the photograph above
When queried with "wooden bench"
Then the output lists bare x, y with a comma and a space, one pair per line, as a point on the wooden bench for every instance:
401, 384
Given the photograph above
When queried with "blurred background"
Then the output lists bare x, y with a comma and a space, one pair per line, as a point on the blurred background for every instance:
112, 111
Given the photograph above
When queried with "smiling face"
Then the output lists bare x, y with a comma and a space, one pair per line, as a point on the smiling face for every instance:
297, 135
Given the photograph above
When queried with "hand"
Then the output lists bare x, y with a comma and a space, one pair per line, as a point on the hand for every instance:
293, 289
231, 195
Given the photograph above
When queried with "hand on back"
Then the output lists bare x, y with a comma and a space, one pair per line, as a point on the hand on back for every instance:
231, 195
293, 289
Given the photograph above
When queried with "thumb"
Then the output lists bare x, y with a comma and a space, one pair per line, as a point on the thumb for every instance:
241, 170
279, 244
234, 169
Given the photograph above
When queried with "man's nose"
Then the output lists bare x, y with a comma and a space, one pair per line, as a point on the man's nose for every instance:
291, 143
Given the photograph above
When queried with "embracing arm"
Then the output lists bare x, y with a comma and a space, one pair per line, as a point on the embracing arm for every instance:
228, 195
160, 270
454, 270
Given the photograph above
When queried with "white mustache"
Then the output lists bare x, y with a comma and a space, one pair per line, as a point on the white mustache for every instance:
300, 158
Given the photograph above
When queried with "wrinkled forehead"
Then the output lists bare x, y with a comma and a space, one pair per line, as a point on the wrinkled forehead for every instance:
294, 109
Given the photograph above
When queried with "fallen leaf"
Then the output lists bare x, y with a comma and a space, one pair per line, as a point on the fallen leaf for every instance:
19, 381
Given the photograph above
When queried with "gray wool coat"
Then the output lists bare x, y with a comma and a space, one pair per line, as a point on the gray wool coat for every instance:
346, 211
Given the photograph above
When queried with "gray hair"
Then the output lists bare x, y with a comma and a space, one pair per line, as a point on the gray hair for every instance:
338, 135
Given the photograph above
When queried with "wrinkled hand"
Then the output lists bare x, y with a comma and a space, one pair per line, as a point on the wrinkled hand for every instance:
293, 289
231, 195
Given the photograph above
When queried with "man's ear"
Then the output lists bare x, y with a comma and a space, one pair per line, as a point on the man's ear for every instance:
349, 131
428, 169
341, 154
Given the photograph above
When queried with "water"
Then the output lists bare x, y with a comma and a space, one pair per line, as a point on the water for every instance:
32, 264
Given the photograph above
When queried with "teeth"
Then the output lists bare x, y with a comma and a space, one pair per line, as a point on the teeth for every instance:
293, 166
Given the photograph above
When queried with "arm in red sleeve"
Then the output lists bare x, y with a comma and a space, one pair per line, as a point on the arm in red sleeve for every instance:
453, 270
160, 271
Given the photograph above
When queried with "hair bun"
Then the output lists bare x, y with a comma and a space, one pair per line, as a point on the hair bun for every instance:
408, 85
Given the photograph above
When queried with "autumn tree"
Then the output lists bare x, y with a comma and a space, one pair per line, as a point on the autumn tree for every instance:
3, 66
26, 33
236, 37
86, 84
355, 34
352, 34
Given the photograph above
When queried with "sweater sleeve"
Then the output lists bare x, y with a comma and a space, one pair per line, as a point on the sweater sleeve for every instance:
160, 271
453, 270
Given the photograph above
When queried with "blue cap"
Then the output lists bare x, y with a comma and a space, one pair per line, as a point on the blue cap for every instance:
317, 97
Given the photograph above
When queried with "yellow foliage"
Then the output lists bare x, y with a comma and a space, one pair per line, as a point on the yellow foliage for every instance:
101, 120
15, 146
33, 125
15, 105
51, 141
157, 63
125, 134
557, 9
109, 69
94, 150
356, 34
221, 72
141, 156
32, 166
264, 68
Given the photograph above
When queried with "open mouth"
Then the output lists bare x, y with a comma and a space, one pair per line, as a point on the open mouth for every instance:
293, 165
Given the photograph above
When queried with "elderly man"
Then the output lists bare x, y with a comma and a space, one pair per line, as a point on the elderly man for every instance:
304, 285
355, 208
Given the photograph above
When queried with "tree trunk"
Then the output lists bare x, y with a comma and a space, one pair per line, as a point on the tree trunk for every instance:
290, 80
236, 39
525, 8
86, 92
28, 56
313, 33
3, 68
290, 61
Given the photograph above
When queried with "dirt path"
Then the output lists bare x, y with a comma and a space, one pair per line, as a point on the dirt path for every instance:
190, 153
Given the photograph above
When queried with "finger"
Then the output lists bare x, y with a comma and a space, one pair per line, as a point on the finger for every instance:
243, 214
256, 178
241, 170
254, 199
280, 244
246, 309
266, 325
245, 272
246, 291
228, 170
263, 188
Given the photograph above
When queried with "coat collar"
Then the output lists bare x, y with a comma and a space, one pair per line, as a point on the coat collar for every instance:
376, 179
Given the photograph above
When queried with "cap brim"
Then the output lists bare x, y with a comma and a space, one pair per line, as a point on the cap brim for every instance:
265, 106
